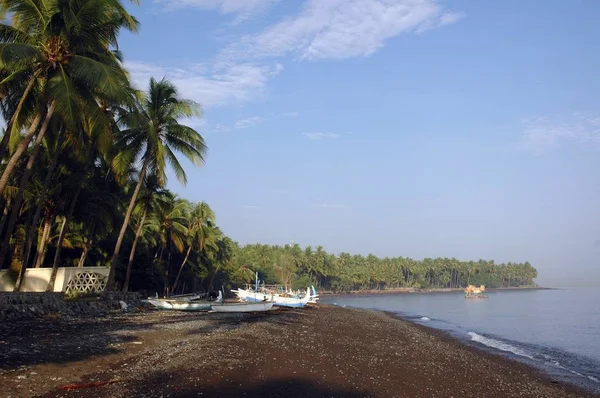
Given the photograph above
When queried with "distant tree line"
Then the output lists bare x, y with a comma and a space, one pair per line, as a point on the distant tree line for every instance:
344, 272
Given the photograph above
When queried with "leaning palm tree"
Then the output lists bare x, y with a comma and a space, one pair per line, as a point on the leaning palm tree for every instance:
170, 225
201, 234
151, 135
152, 198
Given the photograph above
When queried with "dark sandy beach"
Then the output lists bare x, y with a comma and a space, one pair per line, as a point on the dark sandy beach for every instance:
319, 351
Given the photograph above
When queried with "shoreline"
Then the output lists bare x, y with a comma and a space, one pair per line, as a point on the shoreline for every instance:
411, 290
318, 351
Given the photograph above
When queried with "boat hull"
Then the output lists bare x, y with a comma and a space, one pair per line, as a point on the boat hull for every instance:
179, 305
242, 307
278, 302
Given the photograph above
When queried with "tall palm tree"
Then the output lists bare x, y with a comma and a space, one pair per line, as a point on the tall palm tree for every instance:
151, 135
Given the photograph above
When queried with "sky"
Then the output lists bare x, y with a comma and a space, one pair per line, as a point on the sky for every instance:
420, 128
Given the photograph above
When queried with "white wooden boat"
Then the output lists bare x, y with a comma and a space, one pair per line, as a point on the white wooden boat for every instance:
178, 305
242, 307
278, 299
188, 297
314, 297
220, 306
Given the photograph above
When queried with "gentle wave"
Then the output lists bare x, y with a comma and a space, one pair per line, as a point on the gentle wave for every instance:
425, 319
498, 345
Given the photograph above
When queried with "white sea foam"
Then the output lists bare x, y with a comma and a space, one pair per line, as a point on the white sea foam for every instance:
558, 365
497, 344
425, 319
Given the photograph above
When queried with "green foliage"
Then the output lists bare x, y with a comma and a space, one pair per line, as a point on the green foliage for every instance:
293, 266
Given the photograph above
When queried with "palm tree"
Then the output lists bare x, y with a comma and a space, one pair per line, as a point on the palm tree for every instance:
200, 233
152, 134
61, 52
170, 225
152, 198
62, 49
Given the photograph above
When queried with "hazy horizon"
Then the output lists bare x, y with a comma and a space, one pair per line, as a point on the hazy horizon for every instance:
400, 128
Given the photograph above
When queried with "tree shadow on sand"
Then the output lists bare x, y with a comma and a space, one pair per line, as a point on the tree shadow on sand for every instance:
176, 386
64, 339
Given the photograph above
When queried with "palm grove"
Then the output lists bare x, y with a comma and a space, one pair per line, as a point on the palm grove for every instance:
83, 173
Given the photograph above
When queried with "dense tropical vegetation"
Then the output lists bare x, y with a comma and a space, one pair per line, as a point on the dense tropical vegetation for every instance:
293, 265
83, 161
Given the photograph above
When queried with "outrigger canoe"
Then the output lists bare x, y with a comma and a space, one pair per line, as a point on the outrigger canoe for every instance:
220, 306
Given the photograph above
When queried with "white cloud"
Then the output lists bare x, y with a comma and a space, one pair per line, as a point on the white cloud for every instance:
209, 86
220, 128
251, 121
290, 114
241, 8
338, 29
447, 18
328, 206
321, 136
542, 134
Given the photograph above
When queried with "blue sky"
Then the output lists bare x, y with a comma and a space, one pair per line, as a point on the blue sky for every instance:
420, 128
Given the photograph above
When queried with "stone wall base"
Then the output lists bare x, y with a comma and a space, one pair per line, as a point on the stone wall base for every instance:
31, 305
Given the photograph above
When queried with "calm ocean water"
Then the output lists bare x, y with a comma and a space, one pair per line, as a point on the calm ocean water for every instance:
557, 331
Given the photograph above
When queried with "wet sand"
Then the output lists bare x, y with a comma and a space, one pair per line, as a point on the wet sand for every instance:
322, 351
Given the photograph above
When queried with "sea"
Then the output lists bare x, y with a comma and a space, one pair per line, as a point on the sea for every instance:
556, 331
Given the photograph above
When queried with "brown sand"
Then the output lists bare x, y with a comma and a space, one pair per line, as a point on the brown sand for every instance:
320, 352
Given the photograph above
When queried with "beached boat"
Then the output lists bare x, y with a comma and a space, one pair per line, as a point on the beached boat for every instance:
279, 294
314, 297
474, 292
220, 306
179, 305
277, 299
188, 297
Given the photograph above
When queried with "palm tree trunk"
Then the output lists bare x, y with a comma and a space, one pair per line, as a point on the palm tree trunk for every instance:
41, 252
113, 263
168, 265
22, 147
5, 216
88, 244
9, 126
42, 198
212, 279
61, 237
19, 248
50, 286
187, 255
18, 200
138, 233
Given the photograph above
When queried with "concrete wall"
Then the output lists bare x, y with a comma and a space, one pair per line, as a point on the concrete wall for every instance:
36, 279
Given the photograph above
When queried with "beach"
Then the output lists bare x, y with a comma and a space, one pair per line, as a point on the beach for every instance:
318, 351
